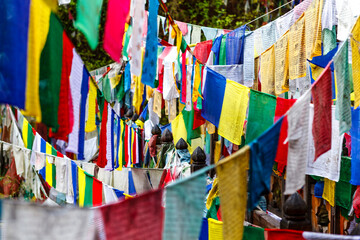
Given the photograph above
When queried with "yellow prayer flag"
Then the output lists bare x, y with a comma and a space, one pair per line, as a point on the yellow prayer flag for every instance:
313, 29
39, 22
81, 179
25, 133
178, 128
355, 50
214, 192
48, 169
157, 103
90, 121
231, 122
282, 64
267, 71
121, 144
217, 151
197, 81
138, 87
297, 56
329, 191
215, 229
232, 174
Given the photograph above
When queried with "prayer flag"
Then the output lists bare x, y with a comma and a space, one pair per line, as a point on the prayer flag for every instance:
50, 73
261, 114
267, 71
251, 233
135, 218
202, 50
14, 18
281, 65
262, 156
183, 220
298, 133
215, 229
343, 102
232, 174
82, 185
235, 41
38, 30
329, 191
283, 234
151, 49
355, 52
90, 121
313, 29
321, 93
297, 56
343, 189
355, 146
117, 12
88, 20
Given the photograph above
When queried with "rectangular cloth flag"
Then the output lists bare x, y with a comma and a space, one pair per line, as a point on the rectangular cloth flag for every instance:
88, 20
75, 87
355, 146
261, 114
267, 71
343, 189
39, 20
232, 174
117, 12
235, 41
24, 220
281, 49
220, 110
297, 56
185, 202
329, 191
283, 234
150, 59
215, 229
135, 218
14, 18
355, 52
313, 29
328, 164
322, 96
262, 156
91, 110
343, 102
298, 133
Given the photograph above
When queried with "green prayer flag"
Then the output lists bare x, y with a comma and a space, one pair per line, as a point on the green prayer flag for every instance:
343, 189
88, 199
343, 101
261, 114
100, 100
213, 210
189, 123
88, 20
329, 40
119, 89
251, 233
106, 88
50, 73
222, 54
127, 41
30, 138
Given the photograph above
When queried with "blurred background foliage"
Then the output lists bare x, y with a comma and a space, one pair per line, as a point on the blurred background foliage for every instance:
224, 14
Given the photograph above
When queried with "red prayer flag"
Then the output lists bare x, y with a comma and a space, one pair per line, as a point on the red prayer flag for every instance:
97, 192
202, 50
136, 218
183, 80
322, 97
117, 13
283, 234
126, 144
102, 161
282, 150
282, 106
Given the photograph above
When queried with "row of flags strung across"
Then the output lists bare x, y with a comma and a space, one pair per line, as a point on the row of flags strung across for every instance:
270, 91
